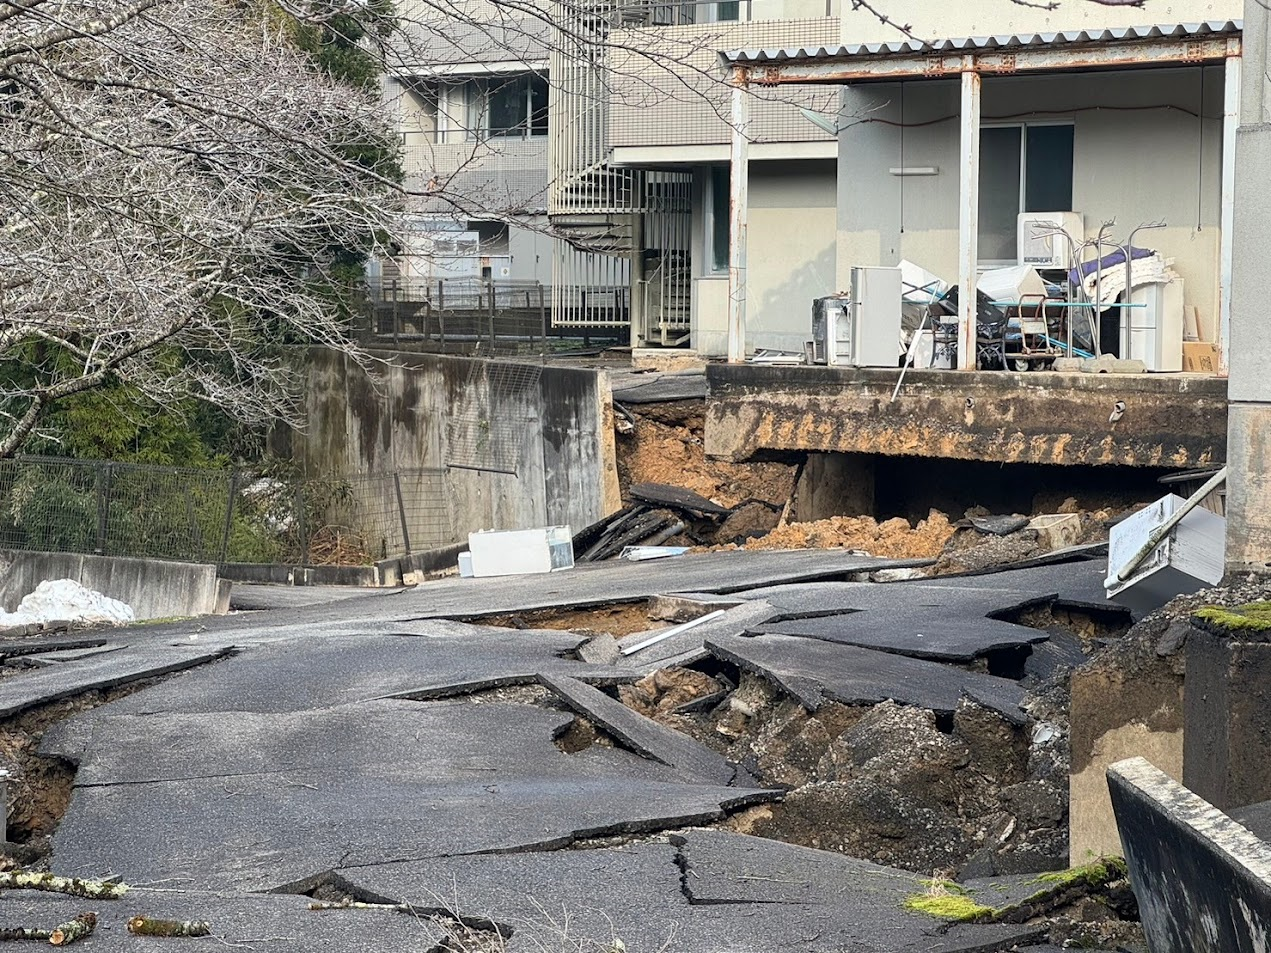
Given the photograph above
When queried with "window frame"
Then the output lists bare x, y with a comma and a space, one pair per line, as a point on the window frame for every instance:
475, 94
1023, 127
713, 195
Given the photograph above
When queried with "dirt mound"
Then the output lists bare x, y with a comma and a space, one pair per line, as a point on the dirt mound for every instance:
659, 452
892, 539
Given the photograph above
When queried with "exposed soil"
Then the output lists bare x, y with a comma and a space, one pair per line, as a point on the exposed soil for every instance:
667, 447
619, 619
893, 539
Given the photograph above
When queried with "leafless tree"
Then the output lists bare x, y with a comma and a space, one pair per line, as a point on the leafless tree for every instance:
175, 179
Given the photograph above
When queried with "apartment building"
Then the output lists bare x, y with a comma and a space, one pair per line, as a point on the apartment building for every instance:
469, 97
586, 150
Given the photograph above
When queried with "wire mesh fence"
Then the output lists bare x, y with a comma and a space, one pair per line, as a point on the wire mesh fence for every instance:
219, 516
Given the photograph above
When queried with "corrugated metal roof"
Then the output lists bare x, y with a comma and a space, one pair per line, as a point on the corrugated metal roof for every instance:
997, 42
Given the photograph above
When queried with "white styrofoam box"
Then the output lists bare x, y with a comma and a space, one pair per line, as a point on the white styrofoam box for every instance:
465, 565
1011, 284
521, 551
1190, 558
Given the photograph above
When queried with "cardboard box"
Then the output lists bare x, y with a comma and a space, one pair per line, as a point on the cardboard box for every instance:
1200, 357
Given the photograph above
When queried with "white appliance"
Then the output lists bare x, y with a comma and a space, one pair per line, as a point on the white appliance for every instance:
1040, 247
831, 330
861, 328
876, 296
519, 552
1190, 557
1153, 334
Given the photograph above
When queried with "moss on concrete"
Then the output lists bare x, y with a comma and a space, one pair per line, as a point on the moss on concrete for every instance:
949, 901
955, 908
1094, 874
1251, 617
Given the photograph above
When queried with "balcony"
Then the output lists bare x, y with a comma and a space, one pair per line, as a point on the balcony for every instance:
654, 64
496, 175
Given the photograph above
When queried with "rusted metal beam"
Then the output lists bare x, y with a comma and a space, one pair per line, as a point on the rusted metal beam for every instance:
738, 213
883, 67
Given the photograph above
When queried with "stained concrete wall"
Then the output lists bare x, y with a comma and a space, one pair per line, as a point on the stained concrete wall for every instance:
156, 589
1139, 155
790, 256
1203, 882
558, 431
1169, 421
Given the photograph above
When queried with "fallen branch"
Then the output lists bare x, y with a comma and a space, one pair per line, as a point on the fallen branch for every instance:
89, 889
150, 926
350, 904
70, 931
24, 933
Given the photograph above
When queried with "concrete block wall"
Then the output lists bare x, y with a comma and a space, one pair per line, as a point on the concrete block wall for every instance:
155, 588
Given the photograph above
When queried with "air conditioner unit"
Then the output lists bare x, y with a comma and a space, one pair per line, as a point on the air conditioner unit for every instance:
1039, 243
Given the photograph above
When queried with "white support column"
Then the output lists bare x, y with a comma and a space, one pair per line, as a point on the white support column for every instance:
738, 213
968, 219
1230, 120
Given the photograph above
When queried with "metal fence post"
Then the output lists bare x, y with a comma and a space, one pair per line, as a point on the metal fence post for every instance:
300, 525
401, 510
229, 516
397, 315
103, 506
490, 289
542, 315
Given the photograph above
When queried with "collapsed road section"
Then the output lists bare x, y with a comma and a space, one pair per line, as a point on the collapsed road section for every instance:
822, 764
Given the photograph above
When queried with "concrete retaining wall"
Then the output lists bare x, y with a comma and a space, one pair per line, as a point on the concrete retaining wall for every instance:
1168, 421
553, 429
1203, 881
155, 589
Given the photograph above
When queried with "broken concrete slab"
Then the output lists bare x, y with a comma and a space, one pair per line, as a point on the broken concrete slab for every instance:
815, 672
917, 632
659, 388
642, 735
39, 646
584, 585
253, 800
687, 647
279, 923
74, 654
1203, 881
676, 498
22, 692
307, 673
722, 867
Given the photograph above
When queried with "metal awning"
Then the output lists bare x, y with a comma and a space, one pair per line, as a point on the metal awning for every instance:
977, 44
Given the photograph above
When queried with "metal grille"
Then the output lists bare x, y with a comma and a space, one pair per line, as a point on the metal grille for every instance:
589, 289
218, 516
667, 282
490, 433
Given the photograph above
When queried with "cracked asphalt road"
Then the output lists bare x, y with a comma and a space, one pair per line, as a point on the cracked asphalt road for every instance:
351, 744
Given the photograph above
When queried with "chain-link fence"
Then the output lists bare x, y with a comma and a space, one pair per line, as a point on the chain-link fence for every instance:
218, 516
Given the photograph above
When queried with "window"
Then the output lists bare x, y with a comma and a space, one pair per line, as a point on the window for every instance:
717, 225
514, 107
1023, 168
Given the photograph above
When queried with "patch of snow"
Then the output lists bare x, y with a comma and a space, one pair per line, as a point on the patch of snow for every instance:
66, 600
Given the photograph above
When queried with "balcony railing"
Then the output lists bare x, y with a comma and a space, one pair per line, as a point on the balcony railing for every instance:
497, 173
